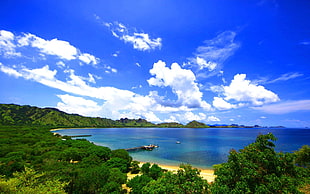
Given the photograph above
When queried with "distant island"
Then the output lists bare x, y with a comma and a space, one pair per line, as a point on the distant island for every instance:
13, 114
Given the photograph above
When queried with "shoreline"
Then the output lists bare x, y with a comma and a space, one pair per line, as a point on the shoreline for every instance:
58, 129
207, 174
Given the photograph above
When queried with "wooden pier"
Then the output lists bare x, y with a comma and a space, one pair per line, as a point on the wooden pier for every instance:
145, 147
79, 135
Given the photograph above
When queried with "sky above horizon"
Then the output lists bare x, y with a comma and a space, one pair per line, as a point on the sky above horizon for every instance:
217, 62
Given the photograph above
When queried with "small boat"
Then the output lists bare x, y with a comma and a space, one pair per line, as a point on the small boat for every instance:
177, 142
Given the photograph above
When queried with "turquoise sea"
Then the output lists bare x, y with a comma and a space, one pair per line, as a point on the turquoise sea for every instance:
201, 148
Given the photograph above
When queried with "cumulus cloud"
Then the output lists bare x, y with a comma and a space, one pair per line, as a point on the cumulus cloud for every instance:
140, 41
60, 48
189, 116
115, 102
182, 82
285, 107
73, 104
221, 104
202, 63
88, 58
212, 119
215, 51
11, 44
242, 92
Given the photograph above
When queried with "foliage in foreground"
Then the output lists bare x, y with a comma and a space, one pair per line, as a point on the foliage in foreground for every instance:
259, 169
33, 160
29, 182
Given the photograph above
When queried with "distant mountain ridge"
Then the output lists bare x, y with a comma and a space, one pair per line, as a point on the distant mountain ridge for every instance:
13, 114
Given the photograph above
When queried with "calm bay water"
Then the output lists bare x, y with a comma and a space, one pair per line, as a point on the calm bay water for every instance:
199, 147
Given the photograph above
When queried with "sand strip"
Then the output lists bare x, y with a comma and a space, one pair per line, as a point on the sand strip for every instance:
207, 174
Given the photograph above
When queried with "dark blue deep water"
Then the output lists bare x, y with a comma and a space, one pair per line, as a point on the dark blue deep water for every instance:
199, 147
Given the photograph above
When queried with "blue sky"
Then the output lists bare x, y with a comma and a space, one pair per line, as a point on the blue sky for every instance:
217, 62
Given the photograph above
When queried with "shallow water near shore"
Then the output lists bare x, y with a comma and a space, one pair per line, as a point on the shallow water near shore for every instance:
201, 148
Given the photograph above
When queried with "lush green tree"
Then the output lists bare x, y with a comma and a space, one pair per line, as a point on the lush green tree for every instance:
31, 182
121, 153
186, 180
138, 182
73, 154
303, 156
155, 172
135, 169
145, 168
102, 152
257, 169
116, 175
118, 163
154, 180
90, 180
12, 162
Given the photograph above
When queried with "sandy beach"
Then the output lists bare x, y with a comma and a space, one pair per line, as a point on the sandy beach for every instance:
207, 174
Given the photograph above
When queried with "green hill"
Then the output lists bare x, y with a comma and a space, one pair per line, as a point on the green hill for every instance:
196, 124
12, 114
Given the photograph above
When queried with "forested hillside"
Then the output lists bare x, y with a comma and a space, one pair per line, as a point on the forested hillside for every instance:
11, 114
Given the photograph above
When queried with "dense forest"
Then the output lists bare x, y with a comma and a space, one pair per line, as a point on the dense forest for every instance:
33, 160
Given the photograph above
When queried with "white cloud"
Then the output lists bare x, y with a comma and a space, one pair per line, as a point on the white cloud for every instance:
10, 71
7, 46
215, 51
182, 83
91, 78
285, 107
61, 64
11, 44
242, 90
190, 116
212, 119
116, 54
73, 104
60, 48
115, 101
140, 41
204, 64
221, 104
109, 69
150, 116
171, 119
42, 75
285, 77
88, 58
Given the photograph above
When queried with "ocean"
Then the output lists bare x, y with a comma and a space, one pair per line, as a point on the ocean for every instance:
202, 148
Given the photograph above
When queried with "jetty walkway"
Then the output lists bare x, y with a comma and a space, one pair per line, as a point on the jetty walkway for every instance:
145, 147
